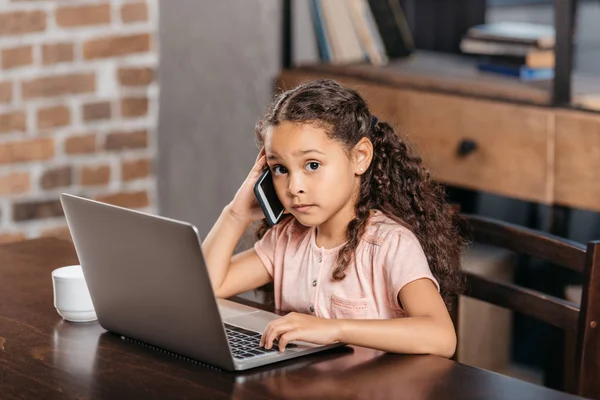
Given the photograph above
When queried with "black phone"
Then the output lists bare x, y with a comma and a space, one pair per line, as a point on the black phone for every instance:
264, 190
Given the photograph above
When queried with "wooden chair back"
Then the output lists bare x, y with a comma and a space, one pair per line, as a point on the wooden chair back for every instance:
579, 323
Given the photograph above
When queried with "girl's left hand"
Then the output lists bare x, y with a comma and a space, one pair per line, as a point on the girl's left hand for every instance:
296, 326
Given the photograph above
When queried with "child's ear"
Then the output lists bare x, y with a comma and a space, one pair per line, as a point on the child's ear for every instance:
362, 155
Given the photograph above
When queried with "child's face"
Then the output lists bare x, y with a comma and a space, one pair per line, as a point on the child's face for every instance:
313, 175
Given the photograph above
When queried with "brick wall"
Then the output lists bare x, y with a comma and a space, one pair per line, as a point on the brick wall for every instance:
78, 108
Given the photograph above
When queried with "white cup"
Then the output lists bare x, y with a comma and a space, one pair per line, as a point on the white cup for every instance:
71, 295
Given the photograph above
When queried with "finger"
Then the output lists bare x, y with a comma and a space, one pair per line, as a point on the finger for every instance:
287, 338
268, 336
273, 326
274, 334
260, 164
263, 338
271, 336
261, 153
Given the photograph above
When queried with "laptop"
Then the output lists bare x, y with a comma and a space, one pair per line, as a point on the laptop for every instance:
148, 282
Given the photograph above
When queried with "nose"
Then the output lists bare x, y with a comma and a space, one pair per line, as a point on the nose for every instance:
295, 184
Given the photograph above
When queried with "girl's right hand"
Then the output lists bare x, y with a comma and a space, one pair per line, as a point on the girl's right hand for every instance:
244, 206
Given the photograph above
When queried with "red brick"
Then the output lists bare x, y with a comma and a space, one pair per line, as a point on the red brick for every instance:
128, 200
96, 111
134, 107
134, 12
22, 22
126, 140
59, 85
53, 117
80, 144
30, 210
17, 57
57, 53
95, 175
135, 76
56, 178
115, 46
13, 121
16, 182
86, 15
6, 89
26, 150
137, 169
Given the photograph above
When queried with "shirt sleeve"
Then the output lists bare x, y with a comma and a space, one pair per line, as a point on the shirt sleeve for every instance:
267, 246
405, 262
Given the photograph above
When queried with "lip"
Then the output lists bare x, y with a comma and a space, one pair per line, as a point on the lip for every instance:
302, 207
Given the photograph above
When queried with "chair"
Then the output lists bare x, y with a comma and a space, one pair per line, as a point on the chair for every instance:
580, 324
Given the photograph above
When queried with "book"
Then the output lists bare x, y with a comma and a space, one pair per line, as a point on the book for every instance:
321, 31
345, 44
522, 72
476, 46
537, 35
587, 101
534, 59
368, 34
393, 27
304, 35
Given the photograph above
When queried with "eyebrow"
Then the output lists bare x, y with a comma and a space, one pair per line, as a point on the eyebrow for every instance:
299, 152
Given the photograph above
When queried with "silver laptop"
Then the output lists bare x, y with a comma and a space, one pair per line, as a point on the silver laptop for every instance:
148, 282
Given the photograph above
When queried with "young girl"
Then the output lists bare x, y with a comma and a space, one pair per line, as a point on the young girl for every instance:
369, 251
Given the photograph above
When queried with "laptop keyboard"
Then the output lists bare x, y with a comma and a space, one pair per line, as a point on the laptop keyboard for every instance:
246, 344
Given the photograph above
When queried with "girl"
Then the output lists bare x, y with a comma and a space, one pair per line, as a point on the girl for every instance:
369, 252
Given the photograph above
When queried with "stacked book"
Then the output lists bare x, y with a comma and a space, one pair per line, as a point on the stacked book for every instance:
522, 50
356, 31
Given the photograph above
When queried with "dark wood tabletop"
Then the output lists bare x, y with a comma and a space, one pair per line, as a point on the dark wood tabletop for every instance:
44, 357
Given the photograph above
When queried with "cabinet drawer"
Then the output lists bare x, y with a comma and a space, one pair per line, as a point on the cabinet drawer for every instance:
387, 103
505, 148
513, 151
577, 167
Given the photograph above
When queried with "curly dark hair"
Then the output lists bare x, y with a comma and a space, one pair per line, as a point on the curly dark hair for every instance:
396, 182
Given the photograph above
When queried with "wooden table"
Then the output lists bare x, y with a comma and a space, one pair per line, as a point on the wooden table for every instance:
44, 357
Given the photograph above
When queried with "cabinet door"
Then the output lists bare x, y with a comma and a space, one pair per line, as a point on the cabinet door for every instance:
578, 160
484, 145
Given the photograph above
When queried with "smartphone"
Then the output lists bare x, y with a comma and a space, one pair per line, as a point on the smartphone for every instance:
264, 190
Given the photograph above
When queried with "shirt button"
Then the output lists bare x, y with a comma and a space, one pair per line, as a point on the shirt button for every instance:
312, 309
315, 282
320, 258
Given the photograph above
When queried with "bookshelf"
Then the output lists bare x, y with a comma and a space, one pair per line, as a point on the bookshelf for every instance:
457, 74
564, 28
547, 130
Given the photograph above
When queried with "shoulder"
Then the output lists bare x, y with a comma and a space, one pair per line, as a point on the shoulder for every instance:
383, 230
398, 251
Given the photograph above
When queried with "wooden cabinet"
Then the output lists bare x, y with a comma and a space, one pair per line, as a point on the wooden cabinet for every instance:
577, 169
490, 146
386, 102
533, 153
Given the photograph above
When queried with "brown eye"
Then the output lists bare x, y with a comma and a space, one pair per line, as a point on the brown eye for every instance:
279, 170
313, 166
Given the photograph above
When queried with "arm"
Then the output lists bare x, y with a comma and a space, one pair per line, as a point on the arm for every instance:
231, 275
428, 329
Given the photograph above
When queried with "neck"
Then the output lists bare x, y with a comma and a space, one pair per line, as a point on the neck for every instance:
333, 232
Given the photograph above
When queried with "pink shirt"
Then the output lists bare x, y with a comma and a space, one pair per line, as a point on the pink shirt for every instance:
388, 257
